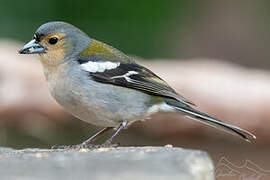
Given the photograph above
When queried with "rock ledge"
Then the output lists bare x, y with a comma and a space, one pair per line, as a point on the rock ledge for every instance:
106, 163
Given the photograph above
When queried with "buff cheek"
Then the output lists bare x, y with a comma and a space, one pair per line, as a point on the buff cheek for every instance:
54, 54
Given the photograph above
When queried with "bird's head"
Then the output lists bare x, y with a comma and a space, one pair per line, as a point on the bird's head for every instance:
57, 42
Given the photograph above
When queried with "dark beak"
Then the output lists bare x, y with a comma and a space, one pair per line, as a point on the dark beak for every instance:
32, 48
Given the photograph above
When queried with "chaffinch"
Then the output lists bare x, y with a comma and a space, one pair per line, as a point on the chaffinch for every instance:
103, 86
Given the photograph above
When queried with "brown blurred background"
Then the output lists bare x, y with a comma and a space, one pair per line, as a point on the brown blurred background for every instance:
212, 52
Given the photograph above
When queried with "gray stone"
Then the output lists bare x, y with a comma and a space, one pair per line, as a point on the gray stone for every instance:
123, 163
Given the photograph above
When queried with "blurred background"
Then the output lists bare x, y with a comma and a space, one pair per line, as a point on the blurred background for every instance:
215, 53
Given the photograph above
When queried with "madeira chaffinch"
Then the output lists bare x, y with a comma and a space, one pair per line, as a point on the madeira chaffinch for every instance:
103, 86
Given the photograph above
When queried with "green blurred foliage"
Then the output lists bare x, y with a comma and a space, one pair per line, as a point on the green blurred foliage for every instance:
136, 27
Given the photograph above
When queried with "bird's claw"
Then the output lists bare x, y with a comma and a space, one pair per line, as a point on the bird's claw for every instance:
76, 146
86, 146
108, 145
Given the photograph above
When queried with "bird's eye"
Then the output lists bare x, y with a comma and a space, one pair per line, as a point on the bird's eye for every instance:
53, 40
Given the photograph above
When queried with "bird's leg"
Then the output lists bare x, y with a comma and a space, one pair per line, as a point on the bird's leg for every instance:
108, 143
92, 138
85, 144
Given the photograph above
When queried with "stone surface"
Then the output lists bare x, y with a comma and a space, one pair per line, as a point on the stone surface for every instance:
125, 163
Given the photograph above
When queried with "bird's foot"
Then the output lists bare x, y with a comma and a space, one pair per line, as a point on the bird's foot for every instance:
107, 144
76, 146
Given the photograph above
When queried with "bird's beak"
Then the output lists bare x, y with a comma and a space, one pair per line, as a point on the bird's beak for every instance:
32, 48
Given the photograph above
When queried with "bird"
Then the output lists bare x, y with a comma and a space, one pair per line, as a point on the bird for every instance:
103, 86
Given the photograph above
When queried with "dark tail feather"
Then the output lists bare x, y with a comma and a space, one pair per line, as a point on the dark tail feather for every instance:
208, 120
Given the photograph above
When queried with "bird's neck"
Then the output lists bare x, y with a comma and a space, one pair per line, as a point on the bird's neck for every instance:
52, 73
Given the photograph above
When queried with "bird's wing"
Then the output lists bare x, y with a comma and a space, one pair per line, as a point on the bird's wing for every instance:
129, 75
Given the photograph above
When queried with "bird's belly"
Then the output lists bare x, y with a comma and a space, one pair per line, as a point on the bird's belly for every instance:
100, 104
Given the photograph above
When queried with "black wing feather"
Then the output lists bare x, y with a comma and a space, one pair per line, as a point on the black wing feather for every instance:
144, 80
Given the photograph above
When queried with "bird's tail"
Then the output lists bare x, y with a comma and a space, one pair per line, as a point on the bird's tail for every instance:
208, 120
